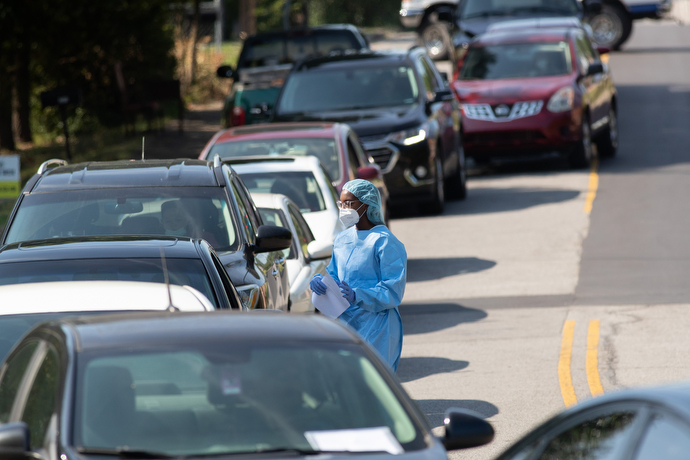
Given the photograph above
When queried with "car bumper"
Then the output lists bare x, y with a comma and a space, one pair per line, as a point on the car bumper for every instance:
543, 133
401, 167
411, 18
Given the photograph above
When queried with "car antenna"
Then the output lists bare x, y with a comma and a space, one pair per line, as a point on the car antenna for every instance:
171, 307
143, 139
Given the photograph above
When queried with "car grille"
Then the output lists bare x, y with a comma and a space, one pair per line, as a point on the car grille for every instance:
382, 156
502, 112
504, 137
374, 138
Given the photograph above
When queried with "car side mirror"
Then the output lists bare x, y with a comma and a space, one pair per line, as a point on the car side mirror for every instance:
319, 249
14, 441
225, 71
368, 172
443, 95
595, 68
465, 429
593, 6
272, 238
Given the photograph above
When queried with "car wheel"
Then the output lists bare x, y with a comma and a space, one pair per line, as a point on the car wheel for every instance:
582, 155
435, 206
611, 26
607, 145
436, 40
456, 188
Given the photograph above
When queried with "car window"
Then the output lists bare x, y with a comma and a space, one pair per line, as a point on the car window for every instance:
516, 60
431, 70
214, 397
480, 8
353, 161
42, 401
427, 78
249, 203
233, 297
330, 187
585, 52
599, 438
197, 212
666, 437
182, 272
301, 187
276, 217
324, 150
246, 222
304, 235
11, 376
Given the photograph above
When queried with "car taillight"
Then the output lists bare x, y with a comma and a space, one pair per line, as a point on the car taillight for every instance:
237, 116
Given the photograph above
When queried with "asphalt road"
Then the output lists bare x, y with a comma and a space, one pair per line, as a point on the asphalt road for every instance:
513, 291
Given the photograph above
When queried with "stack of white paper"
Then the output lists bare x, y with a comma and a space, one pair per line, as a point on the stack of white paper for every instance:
332, 303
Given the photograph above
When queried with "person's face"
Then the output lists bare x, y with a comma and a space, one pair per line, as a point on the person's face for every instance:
173, 218
349, 201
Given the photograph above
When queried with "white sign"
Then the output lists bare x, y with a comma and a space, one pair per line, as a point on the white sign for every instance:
10, 176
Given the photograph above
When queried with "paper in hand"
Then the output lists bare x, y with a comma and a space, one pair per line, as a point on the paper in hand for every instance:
332, 303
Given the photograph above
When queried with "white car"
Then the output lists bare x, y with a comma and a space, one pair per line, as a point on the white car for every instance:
27, 304
303, 180
306, 257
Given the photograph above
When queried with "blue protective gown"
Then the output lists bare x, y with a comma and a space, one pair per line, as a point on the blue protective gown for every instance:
374, 264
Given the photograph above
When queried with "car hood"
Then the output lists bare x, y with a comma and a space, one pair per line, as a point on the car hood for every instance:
509, 91
367, 122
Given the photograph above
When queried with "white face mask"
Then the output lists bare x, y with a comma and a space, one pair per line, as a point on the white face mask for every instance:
349, 216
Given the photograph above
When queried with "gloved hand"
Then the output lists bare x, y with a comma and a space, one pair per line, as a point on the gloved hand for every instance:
317, 285
348, 293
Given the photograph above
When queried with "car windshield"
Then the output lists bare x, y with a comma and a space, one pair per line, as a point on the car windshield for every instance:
352, 88
212, 398
485, 8
300, 187
183, 272
271, 50
323, 149
516, 60
197, 212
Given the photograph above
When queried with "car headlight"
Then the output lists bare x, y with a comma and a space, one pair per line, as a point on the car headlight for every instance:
410, 136
249, 295
562, 100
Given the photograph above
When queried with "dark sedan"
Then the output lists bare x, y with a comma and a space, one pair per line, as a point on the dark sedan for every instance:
221, 385
401, 109
188, 262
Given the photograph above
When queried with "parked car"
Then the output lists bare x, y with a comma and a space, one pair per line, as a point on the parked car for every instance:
306, 257
536, 91
187, 262
193, 198
25, 305
336, 146
640, 424
267, 58
302, 179
183, 385
402, 110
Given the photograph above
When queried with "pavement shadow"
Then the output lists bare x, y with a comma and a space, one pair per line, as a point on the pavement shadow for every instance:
425, 318
435, 408
438, 268
415, 368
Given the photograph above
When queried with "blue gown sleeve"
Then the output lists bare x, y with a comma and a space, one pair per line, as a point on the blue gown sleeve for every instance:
389, 291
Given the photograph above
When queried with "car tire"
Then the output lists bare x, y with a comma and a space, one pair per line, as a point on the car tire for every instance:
436, 39
611, 26
456, 187
607, 145
436, 205
581, 157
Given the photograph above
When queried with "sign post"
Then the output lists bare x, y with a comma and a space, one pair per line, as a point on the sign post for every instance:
10, 177
61, 97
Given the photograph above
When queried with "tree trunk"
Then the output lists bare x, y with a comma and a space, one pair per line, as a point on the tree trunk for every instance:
247, 18
194, 36
22, 86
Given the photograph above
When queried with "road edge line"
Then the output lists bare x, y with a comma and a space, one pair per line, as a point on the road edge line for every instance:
592, 360
592, 186
564, 377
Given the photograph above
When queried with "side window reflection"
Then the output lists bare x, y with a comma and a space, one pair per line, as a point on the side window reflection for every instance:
665, 438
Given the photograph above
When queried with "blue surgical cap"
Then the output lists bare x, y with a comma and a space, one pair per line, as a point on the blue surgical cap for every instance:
367, 193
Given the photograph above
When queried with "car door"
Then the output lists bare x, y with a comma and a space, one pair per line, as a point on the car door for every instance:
304, 237
592, 86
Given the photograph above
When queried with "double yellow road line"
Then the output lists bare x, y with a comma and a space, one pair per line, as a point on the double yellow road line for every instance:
591, 362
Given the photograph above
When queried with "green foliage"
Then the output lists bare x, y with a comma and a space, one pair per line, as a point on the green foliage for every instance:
362, 13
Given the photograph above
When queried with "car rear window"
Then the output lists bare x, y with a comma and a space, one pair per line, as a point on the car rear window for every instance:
323, 149
516, 60
271, 50
300, 187
197, 212
483, 8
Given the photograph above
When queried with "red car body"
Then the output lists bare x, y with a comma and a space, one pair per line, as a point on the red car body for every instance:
354, 161
507, 118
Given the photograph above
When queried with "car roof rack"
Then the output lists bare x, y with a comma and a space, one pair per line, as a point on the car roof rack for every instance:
54, 161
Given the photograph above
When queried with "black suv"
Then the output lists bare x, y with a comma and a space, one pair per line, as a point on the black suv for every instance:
267, 58
192, 198
400, 107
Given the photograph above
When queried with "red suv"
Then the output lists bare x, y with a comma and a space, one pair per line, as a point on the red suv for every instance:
536, 91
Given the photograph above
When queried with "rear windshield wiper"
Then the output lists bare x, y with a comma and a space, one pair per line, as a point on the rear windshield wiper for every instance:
123, 453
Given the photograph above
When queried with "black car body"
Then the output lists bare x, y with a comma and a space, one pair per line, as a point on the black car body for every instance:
187, 262
265, 61
400, 107
218, 384
127, 198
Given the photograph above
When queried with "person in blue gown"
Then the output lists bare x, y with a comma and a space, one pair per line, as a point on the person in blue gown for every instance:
370, 266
